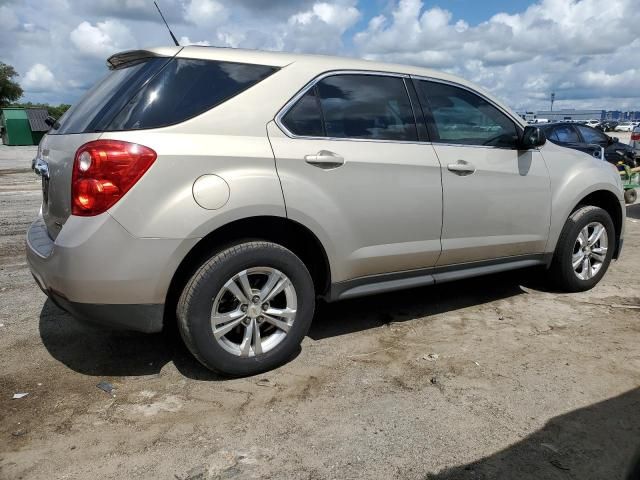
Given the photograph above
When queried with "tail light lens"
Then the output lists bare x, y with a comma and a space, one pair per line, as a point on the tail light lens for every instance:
635, 136
103, 171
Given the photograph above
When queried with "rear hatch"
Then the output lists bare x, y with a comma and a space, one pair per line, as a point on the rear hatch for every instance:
85, 122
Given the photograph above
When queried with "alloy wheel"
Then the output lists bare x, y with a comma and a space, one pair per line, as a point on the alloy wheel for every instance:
254, 311
590, 250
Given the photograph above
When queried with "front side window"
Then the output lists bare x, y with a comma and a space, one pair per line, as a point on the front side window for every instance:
565, 134
461, 117
591, 135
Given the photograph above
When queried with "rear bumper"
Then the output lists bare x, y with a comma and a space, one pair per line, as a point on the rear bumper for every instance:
140, 318
99, 273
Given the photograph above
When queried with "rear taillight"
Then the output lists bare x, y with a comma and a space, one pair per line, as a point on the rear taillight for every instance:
103, 171
635, 136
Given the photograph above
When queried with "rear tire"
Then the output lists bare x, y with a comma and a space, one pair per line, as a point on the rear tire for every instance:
584, 249
247, 309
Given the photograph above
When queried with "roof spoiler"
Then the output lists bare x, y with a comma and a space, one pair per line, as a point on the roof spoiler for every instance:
123, 58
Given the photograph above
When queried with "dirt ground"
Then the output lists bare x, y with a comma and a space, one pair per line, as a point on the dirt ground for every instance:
495, 378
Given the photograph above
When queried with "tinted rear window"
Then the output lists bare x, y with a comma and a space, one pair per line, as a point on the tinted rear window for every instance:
159, 92
107, 97
367, 106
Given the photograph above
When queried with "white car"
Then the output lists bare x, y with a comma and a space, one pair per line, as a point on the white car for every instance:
592, 123
635, 141
624, 127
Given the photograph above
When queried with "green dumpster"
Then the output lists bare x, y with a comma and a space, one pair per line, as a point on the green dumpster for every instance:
22, 126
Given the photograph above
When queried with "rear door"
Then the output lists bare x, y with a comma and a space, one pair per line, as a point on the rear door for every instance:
496, 199
353, 169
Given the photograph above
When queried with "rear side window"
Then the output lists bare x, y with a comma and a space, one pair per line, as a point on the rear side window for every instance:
184, 89
158, 92
305, 118
464, 118
591, 135
366, 106
354, 106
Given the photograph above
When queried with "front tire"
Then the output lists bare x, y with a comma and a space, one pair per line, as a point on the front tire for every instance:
584, 249
247, 309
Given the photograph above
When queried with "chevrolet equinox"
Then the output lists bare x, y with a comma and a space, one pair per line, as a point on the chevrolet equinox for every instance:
228, 189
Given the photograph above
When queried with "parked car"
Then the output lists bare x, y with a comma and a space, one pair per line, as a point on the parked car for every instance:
587, 139
635, 141
228, 189
624, 127
592, 123
607, 126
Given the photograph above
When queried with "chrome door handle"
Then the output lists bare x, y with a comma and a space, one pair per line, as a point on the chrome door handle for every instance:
461, 168
325, 159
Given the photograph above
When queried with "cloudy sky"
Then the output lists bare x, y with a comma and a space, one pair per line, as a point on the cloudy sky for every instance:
587, 51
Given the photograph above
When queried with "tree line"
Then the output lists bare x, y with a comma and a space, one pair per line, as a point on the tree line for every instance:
11, 91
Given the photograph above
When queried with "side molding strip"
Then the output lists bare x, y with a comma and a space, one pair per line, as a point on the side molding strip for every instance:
390, 282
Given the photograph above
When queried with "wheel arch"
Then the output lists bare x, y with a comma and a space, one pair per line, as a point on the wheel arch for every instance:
286, 232
608, 201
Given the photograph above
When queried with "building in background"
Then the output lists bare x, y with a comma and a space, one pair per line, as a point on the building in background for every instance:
620, 116
570, 114
22, 126
579, 115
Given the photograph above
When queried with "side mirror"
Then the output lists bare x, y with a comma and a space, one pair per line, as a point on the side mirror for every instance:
615, 139
532, 137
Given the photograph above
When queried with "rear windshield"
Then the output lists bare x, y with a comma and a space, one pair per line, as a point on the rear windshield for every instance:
157, 92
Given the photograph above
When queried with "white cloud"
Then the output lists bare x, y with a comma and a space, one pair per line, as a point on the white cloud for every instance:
103, 39
184, 41
577, 48
8, 19
319, 29
39, 79
205, 12
586, 51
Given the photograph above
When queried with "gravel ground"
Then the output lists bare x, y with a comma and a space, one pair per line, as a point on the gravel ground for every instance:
491, 378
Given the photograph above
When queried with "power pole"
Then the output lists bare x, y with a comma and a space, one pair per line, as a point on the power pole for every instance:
553, 97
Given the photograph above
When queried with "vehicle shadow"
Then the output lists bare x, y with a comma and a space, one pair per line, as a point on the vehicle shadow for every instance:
102, 352
601, 441
633, 211
348, 316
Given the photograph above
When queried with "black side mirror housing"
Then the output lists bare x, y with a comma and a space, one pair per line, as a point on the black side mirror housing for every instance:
532, 137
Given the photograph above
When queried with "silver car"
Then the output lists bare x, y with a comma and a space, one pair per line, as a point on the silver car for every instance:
228, 190
635, 141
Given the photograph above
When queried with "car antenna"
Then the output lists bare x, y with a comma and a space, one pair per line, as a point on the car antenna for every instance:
175, 40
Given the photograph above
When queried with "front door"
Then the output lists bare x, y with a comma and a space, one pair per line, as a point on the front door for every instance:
496, 199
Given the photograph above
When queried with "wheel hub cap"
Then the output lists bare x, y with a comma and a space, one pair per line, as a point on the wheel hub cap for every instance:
254, 310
